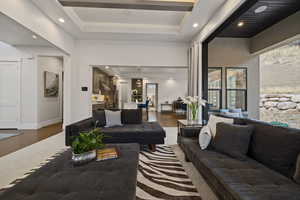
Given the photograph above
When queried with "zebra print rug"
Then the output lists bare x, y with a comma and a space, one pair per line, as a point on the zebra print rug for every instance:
162, 177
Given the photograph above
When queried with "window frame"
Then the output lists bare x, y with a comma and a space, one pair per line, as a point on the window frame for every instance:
245, 90
220, 90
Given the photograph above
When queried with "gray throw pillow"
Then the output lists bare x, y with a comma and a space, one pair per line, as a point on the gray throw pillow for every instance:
297, 172
113, 118
233, 140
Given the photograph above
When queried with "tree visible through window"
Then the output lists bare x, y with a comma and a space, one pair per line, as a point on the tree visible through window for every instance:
236, 88
214, 88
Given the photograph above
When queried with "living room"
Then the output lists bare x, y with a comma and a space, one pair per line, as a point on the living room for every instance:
206, 52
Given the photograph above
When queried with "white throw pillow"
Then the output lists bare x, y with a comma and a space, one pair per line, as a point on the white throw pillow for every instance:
204, 137
212, 123
113, 118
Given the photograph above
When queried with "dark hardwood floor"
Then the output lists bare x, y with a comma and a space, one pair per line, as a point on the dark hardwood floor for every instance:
165, 119
26, 138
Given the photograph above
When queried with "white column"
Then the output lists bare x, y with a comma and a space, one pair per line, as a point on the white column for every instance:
195, 74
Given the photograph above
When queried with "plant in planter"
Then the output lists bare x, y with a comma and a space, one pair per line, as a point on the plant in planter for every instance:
85, 144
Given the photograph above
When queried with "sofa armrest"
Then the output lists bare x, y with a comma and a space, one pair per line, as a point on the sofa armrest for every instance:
74, 129
190, 131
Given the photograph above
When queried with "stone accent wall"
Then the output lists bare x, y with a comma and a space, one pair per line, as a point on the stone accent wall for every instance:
281, 107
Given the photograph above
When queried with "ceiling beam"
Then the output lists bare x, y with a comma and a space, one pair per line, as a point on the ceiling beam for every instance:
170, 5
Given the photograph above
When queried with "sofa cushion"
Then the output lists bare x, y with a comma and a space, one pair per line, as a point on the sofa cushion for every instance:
213, 120
129, 131
276, 147
234, 179
132, 116
233, 140
297, 171
99, 117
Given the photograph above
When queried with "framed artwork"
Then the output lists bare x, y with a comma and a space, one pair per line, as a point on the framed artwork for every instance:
51, 84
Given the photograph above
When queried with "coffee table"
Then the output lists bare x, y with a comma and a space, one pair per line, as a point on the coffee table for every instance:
60, 180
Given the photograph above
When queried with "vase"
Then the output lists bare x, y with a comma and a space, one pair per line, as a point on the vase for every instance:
193, 117
79, 159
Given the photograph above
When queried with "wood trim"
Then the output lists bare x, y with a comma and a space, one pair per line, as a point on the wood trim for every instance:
130, 4
205, 79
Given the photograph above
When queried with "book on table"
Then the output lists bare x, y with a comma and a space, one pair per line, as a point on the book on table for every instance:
107, 154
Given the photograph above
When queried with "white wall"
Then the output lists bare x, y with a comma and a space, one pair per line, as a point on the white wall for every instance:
49, 108
28, 108
234, 52
125, 53
33, 114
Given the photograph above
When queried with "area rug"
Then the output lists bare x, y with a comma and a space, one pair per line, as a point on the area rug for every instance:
162, 177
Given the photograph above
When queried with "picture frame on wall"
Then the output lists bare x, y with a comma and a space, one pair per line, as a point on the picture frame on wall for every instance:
51, 84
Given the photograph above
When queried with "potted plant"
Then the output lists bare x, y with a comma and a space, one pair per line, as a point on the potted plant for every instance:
193, 104
84, 146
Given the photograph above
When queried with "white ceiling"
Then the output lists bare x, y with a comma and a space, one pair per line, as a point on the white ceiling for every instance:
128, 72
129, 16
121, 24
15, 34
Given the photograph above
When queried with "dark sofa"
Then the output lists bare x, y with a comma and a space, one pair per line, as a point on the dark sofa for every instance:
265, 175
134, 129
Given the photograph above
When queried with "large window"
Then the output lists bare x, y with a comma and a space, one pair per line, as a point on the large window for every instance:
215, 88
236, 88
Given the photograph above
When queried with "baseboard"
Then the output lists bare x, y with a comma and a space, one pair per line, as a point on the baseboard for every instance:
28, 126
49, 122
34, 126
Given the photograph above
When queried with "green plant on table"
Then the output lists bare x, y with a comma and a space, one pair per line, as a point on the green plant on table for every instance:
87, 141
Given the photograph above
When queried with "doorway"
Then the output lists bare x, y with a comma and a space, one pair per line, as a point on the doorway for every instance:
152, 95
123, 94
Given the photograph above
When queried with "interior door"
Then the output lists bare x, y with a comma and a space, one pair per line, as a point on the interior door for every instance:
9, 95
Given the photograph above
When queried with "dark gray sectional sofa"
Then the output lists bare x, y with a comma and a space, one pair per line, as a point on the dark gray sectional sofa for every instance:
134, 129
267, 173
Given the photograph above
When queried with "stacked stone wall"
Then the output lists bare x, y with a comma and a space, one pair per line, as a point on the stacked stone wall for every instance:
281, 108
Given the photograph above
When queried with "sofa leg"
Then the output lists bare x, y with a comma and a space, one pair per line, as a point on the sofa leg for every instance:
152, 147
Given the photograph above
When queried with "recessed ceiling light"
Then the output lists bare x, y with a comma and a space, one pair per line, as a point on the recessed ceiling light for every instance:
106, 67
240, 24
61, 20
34, 37
260, 9
195, 25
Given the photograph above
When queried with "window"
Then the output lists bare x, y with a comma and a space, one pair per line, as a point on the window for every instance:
236, 88
214, 88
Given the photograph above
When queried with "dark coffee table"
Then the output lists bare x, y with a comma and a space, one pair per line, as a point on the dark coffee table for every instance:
60, 180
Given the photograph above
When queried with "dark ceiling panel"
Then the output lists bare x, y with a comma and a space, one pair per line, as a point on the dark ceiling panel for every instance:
255, 23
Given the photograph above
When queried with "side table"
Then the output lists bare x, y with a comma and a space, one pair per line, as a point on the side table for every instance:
185, 123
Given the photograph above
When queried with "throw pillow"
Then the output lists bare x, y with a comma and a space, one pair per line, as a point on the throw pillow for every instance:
113, 118
297, 172
99, 118
204, 137
233, 140
132, 116
212, 123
